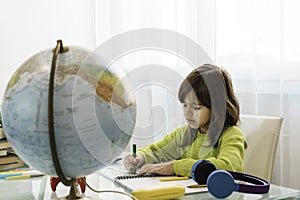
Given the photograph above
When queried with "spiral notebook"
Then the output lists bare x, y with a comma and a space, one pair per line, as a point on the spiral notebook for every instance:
132, 182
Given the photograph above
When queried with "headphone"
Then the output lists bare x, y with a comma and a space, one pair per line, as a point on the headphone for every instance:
221, 184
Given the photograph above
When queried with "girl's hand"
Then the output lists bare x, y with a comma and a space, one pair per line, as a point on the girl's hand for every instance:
165, 168
131, 163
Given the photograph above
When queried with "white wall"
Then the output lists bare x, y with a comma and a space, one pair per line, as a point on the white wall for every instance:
30, 26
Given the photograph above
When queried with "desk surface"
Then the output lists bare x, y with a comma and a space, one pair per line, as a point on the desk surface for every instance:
39, 189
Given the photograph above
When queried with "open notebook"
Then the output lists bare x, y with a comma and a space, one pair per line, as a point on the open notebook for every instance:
130, 182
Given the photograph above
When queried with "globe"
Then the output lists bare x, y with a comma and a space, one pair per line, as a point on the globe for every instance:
93, 112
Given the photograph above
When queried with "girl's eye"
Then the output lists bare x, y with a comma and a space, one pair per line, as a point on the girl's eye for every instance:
196, 107
184, 105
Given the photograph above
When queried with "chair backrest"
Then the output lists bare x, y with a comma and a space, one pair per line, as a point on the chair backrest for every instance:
262, 134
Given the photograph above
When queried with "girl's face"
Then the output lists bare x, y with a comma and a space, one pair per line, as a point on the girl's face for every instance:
197, 116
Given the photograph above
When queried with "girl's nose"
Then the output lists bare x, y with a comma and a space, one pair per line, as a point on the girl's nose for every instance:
188, 111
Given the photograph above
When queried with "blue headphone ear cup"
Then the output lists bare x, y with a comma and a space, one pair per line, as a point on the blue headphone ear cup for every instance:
220, 184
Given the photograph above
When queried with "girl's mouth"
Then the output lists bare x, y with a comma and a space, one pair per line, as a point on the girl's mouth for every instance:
190, 121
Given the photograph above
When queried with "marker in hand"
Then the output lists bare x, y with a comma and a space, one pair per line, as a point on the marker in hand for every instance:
134, 155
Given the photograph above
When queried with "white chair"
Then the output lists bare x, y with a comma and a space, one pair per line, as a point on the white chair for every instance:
262, 134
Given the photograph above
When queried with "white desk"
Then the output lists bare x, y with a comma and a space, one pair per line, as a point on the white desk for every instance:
39, 189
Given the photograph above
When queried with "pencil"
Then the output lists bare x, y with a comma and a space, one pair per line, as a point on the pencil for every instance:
26, 176
196, 186
4, 175
176, 178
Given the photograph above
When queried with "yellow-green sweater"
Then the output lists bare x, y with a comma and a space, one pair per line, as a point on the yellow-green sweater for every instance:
228, 155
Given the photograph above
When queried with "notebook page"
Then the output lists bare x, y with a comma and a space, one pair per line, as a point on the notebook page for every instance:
132, 183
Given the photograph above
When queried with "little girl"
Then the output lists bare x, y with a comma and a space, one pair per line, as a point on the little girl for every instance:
211, 110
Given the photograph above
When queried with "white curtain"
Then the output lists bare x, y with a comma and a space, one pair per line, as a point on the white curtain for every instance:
159, 111
258, 42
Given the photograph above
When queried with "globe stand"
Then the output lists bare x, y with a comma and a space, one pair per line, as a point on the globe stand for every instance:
74, 193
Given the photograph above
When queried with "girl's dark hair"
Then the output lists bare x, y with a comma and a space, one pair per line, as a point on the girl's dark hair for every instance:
213, 88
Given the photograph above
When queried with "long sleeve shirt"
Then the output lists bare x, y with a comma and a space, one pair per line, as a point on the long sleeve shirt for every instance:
228, 155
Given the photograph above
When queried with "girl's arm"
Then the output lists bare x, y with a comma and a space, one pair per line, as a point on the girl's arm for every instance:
231, 152
229, 155
166, 149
